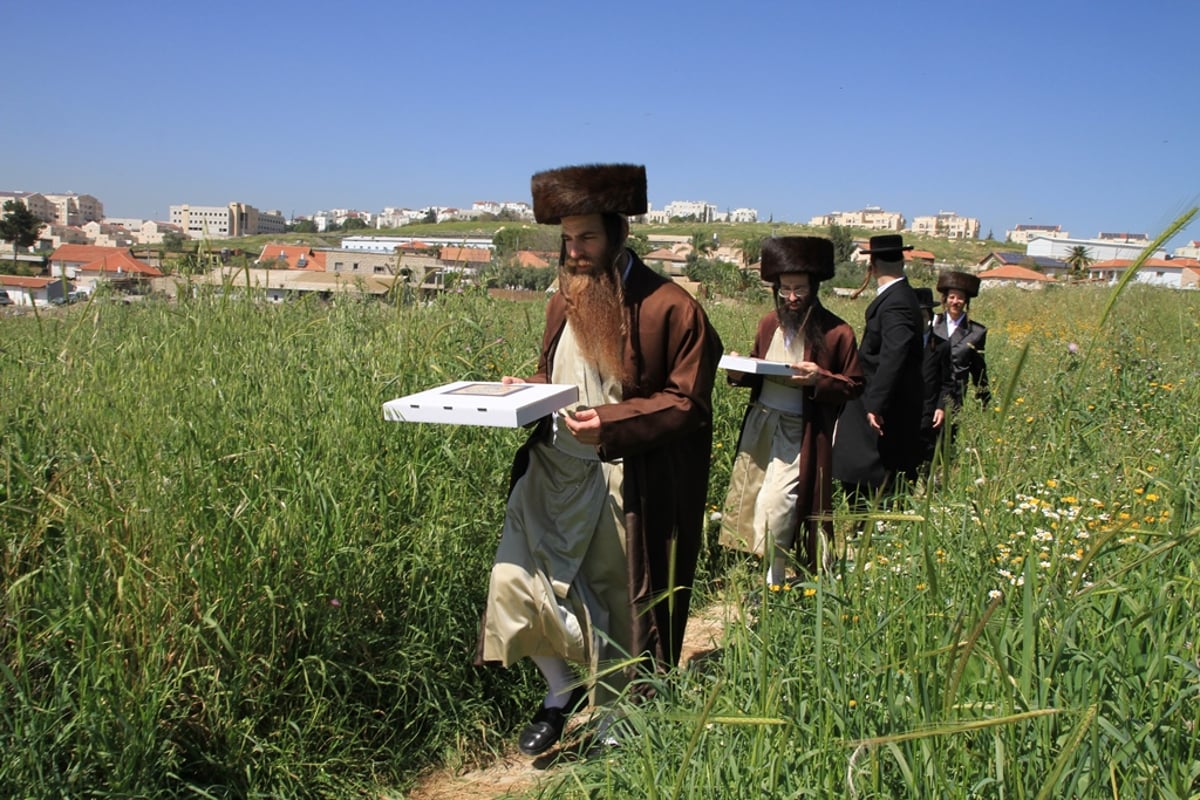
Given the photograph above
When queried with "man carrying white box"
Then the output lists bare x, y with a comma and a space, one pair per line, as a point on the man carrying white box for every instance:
606, 506
781, 486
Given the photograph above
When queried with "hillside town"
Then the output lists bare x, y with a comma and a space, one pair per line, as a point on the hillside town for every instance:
73, 249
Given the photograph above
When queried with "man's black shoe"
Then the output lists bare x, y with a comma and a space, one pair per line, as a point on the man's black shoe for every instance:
547, 725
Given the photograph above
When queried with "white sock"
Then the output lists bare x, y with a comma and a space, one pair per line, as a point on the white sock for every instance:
777, 573
559, 678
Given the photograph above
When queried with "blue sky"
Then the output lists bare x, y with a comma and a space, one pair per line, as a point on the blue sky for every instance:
1081, 114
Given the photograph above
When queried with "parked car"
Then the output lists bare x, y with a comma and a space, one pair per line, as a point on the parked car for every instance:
5, 300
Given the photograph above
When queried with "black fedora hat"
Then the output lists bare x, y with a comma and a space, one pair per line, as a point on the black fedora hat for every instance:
886, 244
925, 297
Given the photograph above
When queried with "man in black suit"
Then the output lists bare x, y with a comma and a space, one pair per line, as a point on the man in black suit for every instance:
941, 389
878, 439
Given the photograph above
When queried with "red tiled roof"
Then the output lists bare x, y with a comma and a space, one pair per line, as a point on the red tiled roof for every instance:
925, 255
26, 282
295, 256
121, 262
526, 258
473, 255
1012, 272
84, 253
663, 254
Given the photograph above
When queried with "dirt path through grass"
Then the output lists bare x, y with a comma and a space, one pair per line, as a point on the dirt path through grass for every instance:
513, 773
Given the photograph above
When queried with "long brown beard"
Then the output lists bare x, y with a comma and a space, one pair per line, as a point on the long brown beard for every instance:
596, 311
801, 322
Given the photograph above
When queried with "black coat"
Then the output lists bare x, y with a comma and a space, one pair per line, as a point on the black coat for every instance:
966, 353
941, 391
891, 357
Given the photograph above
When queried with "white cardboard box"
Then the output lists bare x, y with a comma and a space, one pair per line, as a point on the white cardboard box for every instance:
482, 403
759, 366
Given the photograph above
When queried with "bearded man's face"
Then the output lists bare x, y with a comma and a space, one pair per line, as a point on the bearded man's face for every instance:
591, 286
793, 298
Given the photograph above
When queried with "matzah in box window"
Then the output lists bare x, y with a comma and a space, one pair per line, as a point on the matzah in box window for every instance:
501, 405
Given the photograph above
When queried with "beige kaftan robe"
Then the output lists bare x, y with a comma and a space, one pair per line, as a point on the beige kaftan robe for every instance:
558, 586
760, 505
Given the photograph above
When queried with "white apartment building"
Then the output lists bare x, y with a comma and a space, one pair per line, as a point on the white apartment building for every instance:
1097, 249
743, 215
224, 222
947, 225
76, 209
388, 244
1024, 234
392, 217
107, 234
52, 236
58, 209
873, 218
698, 210
1189, 250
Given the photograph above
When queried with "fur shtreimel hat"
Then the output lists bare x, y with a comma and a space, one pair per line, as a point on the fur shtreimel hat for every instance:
783, 254
886, 244
588, 189
925, 297
963, 281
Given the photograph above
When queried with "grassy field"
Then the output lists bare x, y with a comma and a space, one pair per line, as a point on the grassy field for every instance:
225, 576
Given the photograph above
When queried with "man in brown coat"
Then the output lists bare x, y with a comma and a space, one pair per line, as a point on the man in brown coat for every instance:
605, 513
780, 491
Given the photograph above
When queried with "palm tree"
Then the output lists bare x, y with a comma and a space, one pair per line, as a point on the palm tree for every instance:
1078, 260
751, 250
702, 244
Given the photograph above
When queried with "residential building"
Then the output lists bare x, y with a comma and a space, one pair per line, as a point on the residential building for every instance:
910, 256
278, 285
1045, 265
58, 209
655, 216
392, 217
946, 225
1124, 237
154, 232
532, 260
104, 234
1014, 275
90, 266
76, 209
465, 258
1174, 273
34, 291
387, 244
1097, 249
871, 218
1189, 250
51, 236
36, 202
697, 210
743, 215
282, 256
671, 262
224, 222
516, 210
411, 266
128, 223
1022, 233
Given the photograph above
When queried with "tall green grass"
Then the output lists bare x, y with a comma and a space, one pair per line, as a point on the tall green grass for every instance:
1025, 630
225, 576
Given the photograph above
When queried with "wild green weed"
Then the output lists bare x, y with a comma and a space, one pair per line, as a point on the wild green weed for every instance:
225, 576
